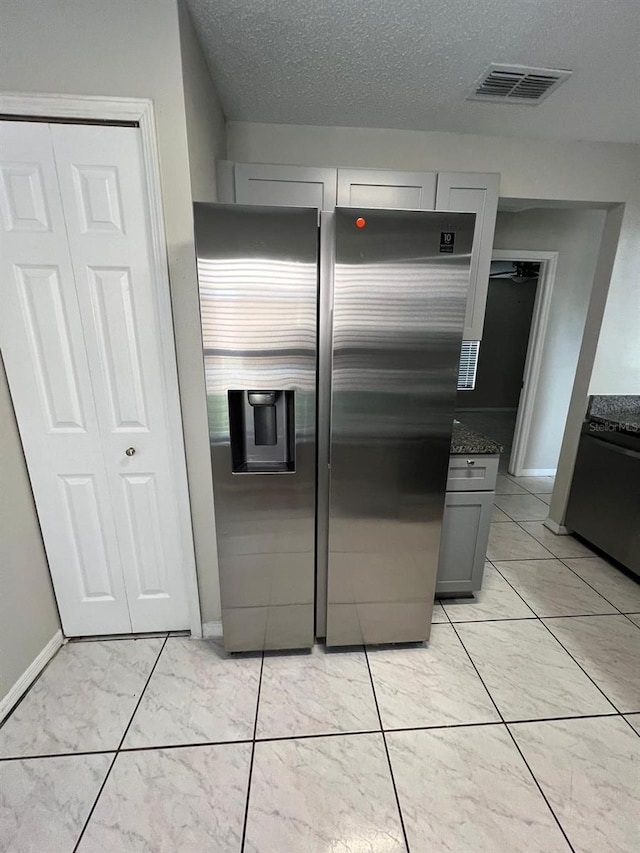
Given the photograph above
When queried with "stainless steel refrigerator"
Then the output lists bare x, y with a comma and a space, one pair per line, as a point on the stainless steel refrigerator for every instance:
331, 353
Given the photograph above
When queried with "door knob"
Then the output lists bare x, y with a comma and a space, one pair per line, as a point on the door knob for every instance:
130, 451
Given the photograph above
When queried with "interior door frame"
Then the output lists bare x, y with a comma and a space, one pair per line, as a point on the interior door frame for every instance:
548, 264
100, 109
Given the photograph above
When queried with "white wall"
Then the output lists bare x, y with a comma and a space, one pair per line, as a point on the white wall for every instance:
132, 49
28, 612
575, 235
579, 395
530, 168
206, 134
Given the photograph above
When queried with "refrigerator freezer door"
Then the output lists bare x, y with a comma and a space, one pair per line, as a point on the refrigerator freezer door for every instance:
258, 278
400, 287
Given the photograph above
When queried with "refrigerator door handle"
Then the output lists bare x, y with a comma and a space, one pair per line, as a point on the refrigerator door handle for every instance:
325, 349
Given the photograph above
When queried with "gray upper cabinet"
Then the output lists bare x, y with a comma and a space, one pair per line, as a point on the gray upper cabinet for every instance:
386, 189
296, 186
310, 186
474, 193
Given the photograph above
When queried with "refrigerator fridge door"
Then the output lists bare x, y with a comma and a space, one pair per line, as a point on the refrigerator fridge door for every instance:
258, 278
400, 287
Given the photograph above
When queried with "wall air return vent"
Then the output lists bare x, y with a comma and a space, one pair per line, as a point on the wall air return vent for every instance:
468, 365
517, 84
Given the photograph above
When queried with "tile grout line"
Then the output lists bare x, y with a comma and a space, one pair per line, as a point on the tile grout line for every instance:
386, 749
504, 723
533, 539
582, 615
505, 618
539, 786
516, 520
578, 664
172, 746
526, 521
253, 751
629, 724
520, 559
57, 755
562, 559
535, 615
540, 619
473, 664
564, 563
117, 752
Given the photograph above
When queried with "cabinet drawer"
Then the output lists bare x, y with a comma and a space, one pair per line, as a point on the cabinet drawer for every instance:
472, 473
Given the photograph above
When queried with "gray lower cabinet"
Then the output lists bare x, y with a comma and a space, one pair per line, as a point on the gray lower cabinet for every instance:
463, 544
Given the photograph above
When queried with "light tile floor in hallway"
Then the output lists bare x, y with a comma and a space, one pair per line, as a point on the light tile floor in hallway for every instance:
517, 728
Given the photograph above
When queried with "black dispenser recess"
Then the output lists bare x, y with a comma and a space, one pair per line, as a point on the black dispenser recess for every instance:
265, 423
262, 427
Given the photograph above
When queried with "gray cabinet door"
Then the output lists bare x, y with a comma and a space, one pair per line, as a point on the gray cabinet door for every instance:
294, 186
463, 544
474, 193
386, 189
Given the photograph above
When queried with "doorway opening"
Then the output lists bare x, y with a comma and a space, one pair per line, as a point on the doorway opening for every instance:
501, 403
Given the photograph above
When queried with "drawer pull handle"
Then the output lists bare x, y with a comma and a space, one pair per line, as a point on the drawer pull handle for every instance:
471, 461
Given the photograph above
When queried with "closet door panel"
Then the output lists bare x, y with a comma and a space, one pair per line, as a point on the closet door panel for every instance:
103, 196
51, 387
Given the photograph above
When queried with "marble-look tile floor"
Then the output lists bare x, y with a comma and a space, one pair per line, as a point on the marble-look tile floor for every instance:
516, 728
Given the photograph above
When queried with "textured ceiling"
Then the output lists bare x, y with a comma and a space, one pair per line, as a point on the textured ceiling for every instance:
410, 63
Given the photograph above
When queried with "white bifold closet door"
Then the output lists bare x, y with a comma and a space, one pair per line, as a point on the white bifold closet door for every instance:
82, 345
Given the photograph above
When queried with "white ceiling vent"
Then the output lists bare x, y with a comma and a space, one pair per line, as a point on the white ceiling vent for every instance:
517, 84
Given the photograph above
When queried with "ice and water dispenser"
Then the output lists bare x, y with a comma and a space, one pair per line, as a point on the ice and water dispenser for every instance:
262, 426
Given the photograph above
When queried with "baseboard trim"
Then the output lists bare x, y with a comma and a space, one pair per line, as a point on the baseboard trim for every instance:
195, 634
538, 472
30, 674
212, 630
554, 527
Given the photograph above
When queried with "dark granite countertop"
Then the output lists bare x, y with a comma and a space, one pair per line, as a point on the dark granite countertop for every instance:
625, 421
469, 442
616, 412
